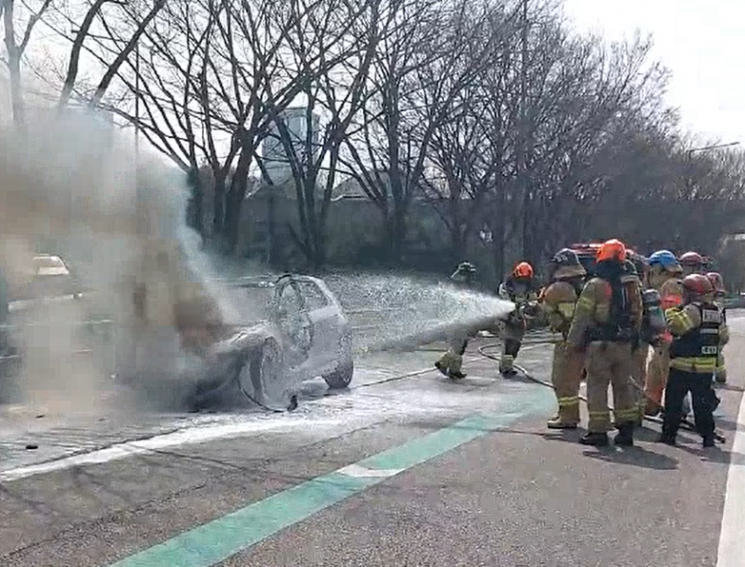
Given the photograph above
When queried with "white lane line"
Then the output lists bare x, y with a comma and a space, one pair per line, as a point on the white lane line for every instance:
732, 537
189, 436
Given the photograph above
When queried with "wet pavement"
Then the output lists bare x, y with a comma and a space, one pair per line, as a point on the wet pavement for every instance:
386, 386
517, 496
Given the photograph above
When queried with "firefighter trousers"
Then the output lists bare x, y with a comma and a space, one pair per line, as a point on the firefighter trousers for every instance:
452, 360
566, 375
609, 362
679, 383
639, 375
657, 370
512, 339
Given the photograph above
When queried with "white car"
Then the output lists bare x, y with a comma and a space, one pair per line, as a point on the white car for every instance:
52, 278
295, 330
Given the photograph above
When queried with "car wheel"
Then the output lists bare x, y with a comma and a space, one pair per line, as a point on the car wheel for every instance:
264, 371
341, 377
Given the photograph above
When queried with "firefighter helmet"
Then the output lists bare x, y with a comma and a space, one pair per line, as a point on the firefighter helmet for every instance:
692, 259
612, 249
566, 264
523, 270
697, 286
466, 268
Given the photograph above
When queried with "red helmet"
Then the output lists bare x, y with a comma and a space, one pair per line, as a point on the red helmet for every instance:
716, 280
693, 259
523, 270
697, 285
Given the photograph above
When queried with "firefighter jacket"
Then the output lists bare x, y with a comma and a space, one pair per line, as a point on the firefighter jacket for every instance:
559, 300
524, 295
598, 317
698, 331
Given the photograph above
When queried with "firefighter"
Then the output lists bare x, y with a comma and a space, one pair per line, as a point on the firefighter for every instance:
720, 375
635, 272
664, 274
452, 361
606, 324
521, 289
698, 330
692, 263
558, 301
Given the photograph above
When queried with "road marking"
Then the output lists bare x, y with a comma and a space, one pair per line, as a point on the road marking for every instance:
732, 537
224, 537
187, 436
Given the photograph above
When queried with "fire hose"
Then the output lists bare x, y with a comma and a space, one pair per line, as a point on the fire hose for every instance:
483, 351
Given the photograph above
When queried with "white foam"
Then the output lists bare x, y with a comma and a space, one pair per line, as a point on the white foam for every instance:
189, 436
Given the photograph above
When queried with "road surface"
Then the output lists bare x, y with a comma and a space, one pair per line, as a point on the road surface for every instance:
405, 468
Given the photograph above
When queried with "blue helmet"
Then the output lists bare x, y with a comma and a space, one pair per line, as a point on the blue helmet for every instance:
664, 258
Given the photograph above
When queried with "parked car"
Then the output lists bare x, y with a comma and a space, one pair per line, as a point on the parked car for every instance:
52, 278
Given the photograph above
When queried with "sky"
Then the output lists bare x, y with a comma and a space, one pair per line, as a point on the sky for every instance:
700, 41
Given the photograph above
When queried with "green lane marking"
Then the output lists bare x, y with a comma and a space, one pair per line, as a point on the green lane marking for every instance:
224, 537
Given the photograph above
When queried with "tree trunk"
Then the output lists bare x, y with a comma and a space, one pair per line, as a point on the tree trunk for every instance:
14, 64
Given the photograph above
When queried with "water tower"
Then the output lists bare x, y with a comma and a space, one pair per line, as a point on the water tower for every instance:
273, 152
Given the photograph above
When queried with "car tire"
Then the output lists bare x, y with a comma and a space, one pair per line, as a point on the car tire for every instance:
341, 377
263, 371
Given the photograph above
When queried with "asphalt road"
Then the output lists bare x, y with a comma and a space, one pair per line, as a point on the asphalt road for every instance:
406, 468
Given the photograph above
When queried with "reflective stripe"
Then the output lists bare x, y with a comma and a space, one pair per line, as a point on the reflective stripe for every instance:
694, 364
627, 413
568, 402
566, 310
679, 321
600, 414
585, 303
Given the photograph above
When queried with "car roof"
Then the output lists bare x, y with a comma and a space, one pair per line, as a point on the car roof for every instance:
48, 265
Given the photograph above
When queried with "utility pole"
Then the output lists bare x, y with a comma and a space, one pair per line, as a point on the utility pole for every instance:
515, 237
137, 99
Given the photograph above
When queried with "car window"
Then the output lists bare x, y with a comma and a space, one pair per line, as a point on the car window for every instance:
290, 300
314, 297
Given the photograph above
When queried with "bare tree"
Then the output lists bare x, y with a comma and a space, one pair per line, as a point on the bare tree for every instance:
15, 47
346, 35
434, 53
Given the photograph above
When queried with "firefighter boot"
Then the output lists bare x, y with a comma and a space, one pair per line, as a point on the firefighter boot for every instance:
557, 423
454, 371
667, 439
595, 439
625, 437
506, 365
446, 362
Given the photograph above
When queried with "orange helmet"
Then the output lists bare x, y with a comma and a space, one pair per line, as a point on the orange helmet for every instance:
523, 270
611, 250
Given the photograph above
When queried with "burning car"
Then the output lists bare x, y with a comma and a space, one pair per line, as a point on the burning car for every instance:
297, 330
